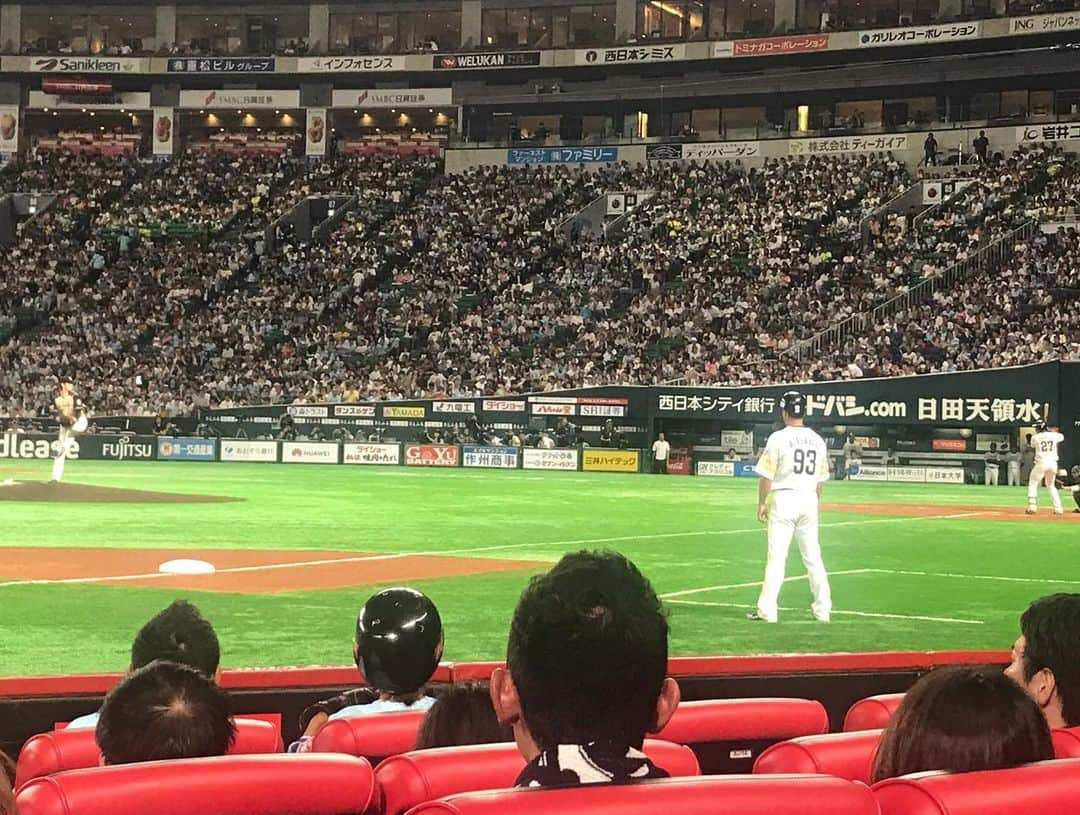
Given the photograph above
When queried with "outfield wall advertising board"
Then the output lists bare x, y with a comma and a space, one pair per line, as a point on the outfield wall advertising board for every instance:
533, 459
504, 458
944, 475
33, 446
186, 449
611, 461
716, 468
310, 452
118, 448
371, 453
252, 451
431, 455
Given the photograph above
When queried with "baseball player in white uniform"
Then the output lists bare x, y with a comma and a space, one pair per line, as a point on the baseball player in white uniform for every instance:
71, 421
793, 470
1045, 469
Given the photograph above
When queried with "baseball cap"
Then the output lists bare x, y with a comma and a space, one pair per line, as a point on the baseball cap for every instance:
793, 403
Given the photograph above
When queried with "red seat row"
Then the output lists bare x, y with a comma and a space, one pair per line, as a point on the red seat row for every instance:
60, 750
851, 755
318, 784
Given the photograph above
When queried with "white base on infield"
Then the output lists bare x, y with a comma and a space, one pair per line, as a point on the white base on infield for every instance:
186, 566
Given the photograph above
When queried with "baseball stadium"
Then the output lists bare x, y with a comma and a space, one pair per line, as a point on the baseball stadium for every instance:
459, 406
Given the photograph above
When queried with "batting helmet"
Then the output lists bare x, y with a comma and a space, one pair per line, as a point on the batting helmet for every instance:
399, 640
793, 403
1040, 427
1075, 473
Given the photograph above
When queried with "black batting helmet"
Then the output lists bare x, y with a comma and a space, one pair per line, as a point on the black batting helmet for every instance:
793, 403
399, 640
1040, 427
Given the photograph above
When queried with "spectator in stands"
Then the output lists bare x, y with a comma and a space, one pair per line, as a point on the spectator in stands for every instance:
398, 645
7, 779
164, 711
962, 719
1046, 657
178, 633
930, 150
982, 148
585, 673
462, 714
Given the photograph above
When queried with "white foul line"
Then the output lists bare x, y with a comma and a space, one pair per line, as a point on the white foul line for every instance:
231, 570
836, 611
1048, 580
752, 584
449, 553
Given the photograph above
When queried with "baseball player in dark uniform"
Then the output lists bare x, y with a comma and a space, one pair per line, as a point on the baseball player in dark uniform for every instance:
1071, 484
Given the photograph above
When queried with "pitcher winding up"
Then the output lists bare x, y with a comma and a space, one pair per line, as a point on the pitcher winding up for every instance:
71, 420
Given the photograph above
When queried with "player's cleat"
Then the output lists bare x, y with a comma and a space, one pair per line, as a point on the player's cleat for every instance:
1030, 510
1059, 512
821, 618
753, 615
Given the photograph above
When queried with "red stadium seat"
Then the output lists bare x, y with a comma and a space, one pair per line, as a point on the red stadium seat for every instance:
374, 736
844, 755
731, 795
232, 785
1066, 742
728, 734
1046, 788
60, 750
424, 775
873, 712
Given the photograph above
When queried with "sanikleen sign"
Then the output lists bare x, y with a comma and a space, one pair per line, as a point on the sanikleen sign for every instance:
89, 65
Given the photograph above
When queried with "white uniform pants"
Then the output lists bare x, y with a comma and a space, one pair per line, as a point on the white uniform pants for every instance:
794, 515
65, 441
1014, 473
991, 475
1045, 474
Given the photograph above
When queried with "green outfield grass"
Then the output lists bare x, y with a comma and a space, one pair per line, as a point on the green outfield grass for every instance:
898, 582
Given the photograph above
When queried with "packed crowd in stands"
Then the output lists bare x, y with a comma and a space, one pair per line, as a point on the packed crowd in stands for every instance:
472, 284
584, 682
205, 188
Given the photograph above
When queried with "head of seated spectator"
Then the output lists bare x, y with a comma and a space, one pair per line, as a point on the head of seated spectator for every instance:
7, 778
962, 719
178, 633
462, 714
585, 677
164, 711
398, 645
1046, 657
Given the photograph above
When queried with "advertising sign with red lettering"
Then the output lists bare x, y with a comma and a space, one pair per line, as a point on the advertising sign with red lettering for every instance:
553, 409
950, 445
431, 455
767, 46
505, 405
679, 460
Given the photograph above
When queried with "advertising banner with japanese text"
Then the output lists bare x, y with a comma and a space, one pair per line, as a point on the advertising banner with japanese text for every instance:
1005, 396
610, 461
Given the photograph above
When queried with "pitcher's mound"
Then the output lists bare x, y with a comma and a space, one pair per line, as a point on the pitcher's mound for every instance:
89, 494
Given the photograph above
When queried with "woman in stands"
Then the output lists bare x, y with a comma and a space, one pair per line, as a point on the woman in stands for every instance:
963, 719
462, 714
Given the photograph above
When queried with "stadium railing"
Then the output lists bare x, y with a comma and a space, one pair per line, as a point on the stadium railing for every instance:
989, 257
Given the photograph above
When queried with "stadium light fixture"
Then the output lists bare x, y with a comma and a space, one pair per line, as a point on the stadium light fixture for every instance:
672, 10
